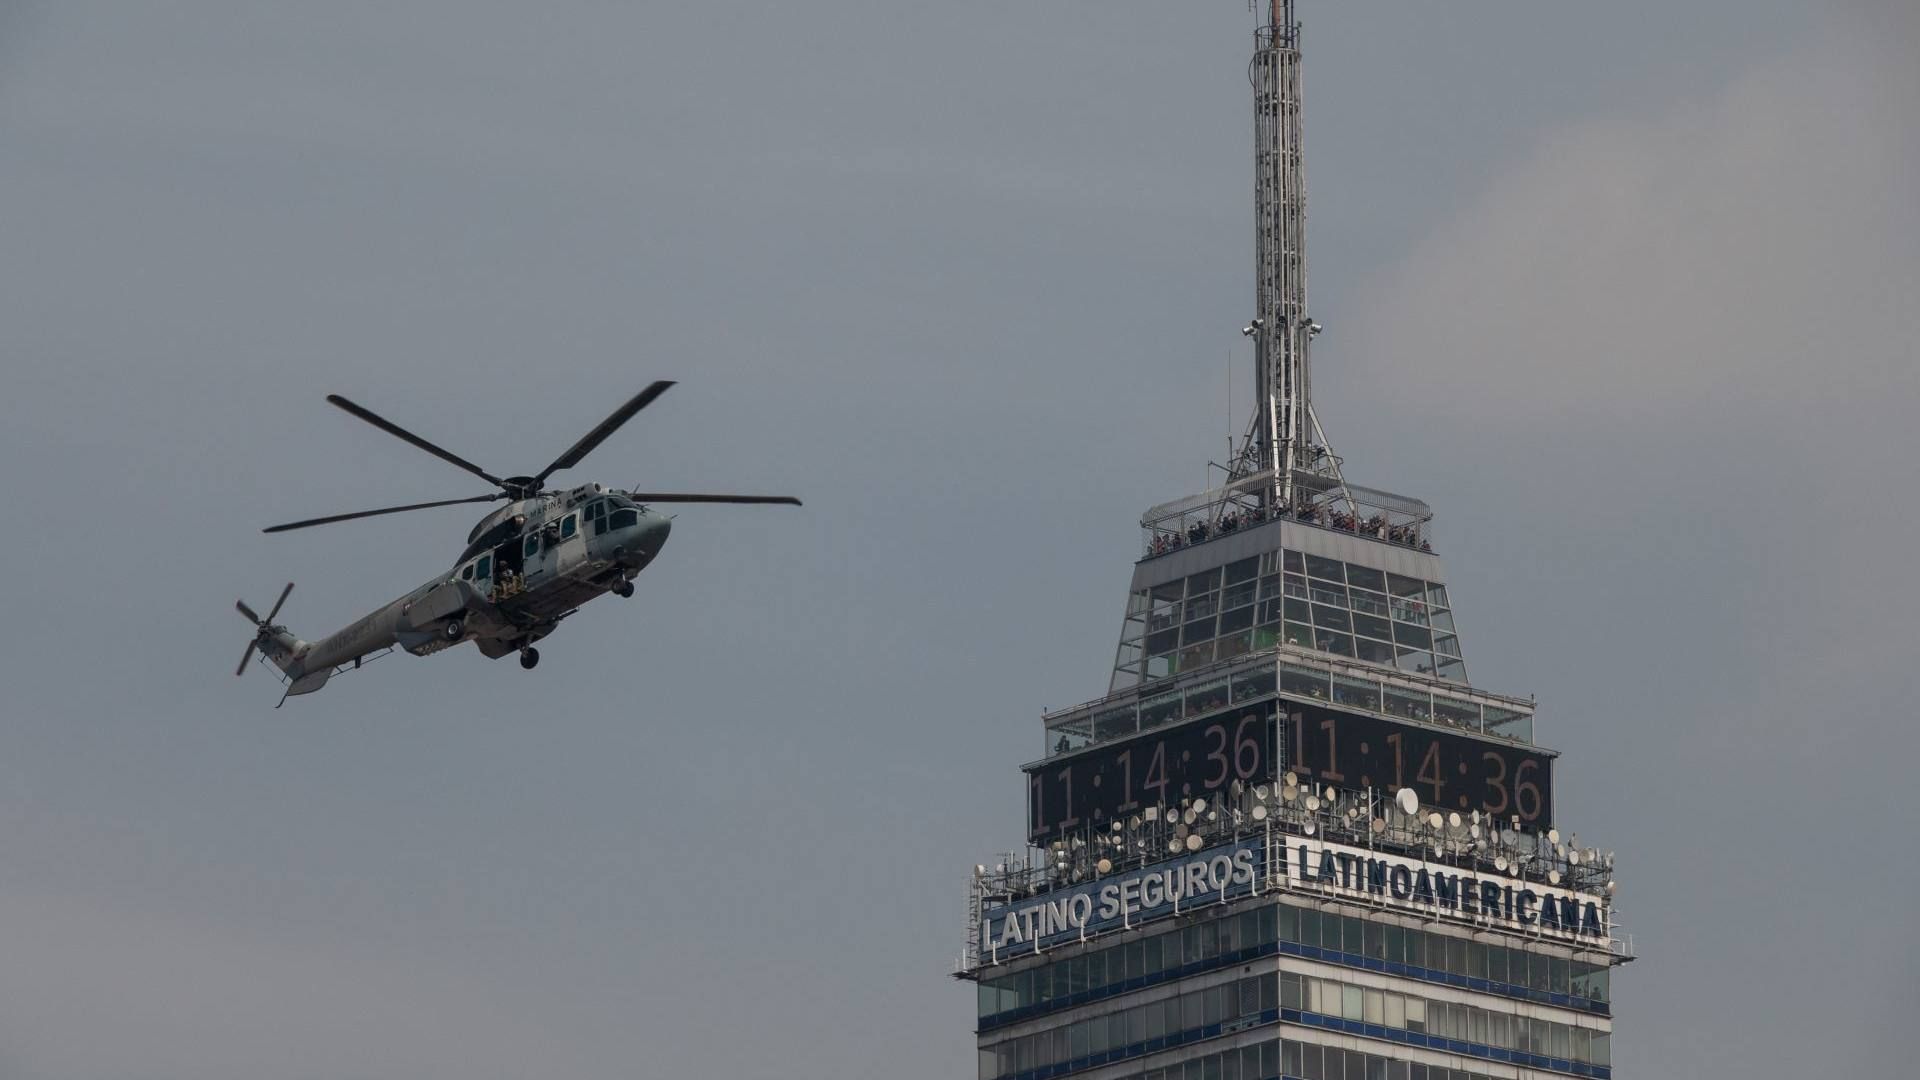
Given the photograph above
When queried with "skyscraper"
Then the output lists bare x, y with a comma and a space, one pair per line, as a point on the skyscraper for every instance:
1292, 839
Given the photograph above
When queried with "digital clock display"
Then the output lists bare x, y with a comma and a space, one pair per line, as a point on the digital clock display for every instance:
1163, 767
1355, 751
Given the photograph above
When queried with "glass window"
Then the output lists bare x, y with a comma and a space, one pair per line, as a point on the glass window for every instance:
1195, 632
1416, 1014
1366, 577
1351, 934
1448, 644
1414, 636
1115, 723
1497, 964
466, 572
1291, 561
1198, 656
1440, 620
1236, 620
1253, 684
484, 567
1415, 661
1244, 570
1295, 586
1202, 583
1329, 618
1326, 594
1270, 586
1327, 641
1373, 652
1303, 681
1437, 594
1159, 710
623, 519
1405, 704
569, 525
1373, 626
1299, 634
1453, 670
1396, 1011
1326, 569
1356, 693
1352, 1002
1404, 586
1235, 644
1237, 595
1372, 603
532, 547
1462, 713
1376, 1007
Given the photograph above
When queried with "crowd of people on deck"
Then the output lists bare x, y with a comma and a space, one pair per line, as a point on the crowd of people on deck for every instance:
1198, 532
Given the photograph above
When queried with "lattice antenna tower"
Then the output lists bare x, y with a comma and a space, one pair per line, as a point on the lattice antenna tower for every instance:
1285, 456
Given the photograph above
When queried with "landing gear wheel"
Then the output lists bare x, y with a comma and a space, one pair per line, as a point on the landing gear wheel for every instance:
529, 656
455, 629
623, 589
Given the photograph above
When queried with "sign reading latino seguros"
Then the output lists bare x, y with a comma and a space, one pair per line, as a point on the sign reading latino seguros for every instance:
1151, 892
1432, 890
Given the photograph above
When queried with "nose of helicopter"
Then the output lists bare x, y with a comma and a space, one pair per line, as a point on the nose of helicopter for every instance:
650, 535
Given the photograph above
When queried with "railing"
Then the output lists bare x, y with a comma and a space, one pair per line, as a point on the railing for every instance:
1378, 515
1288, 670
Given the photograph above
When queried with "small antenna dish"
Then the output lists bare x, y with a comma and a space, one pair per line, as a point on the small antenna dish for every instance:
1453, 820
1553, 877
1313, 802
1500, 863
1105, 866
1379, 824
1433, 820
1308, 828
1260, 813
1407, 801
1193, 842
1330, 792
1553, 836
1260, 792
1573, 857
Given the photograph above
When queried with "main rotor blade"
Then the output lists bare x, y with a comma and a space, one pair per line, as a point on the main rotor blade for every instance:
277, 603
663, 497
607, 427
244, 657
397, 431
251, 615
373, 513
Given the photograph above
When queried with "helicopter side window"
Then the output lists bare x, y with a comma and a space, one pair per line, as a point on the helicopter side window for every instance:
533, 546
623, 518
597, 513
569, 525
484, 567
466, 572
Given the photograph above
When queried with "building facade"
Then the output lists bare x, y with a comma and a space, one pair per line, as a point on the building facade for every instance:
1292, 840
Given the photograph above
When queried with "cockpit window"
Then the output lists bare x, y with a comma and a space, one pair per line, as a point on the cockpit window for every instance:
568, 525
466, 572
484, 567
623, 518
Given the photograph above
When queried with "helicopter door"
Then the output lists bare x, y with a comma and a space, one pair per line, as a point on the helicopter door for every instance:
571, 548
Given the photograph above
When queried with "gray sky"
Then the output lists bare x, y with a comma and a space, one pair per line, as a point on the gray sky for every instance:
1626, 292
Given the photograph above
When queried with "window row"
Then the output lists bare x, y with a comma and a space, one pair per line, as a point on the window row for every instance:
1260, 1061
1445, 1019
1440, 952
1133, 964
1311, 1061
1092, 973
1131, 1030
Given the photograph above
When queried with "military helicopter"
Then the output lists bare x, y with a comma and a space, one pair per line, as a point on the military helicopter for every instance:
526, 566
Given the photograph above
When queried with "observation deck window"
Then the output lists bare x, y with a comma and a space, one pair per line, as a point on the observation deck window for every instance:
1451, 669
1372, 625
1372, 603
1404, 704
1460, 713
1332, 618
1355, 693
1207, 696
1332, 643
1508, 722
1373, 652
1236, 620
1115, 723
1236, 645
1322, 593
1253, 684
1414, 636
1304, 681
1415, 661
1160, 710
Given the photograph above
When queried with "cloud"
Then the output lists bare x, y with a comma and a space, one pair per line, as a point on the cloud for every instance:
1753, 246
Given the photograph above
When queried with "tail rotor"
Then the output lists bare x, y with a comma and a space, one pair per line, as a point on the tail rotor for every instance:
263, 628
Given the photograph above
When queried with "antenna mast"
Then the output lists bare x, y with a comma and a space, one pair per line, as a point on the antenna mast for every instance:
1284, 447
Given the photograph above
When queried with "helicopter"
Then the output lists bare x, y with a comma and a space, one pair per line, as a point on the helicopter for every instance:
526, 566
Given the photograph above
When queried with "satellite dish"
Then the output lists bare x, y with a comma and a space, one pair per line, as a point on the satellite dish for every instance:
1453, 820
1193, 842
1573, 857
1611, 887
1313, 802
1473, 830
1180, 832
1553, 836
1116, 825
1379, 824
1407, 801
1260, 792
1308, 828
1553, 877
1259, 813
1330, 792
1174, 846
1476, 817
1105, 866
1433, 820
1213, 815
1500, 864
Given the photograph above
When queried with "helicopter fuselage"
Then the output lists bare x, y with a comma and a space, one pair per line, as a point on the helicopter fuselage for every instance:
526, 566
